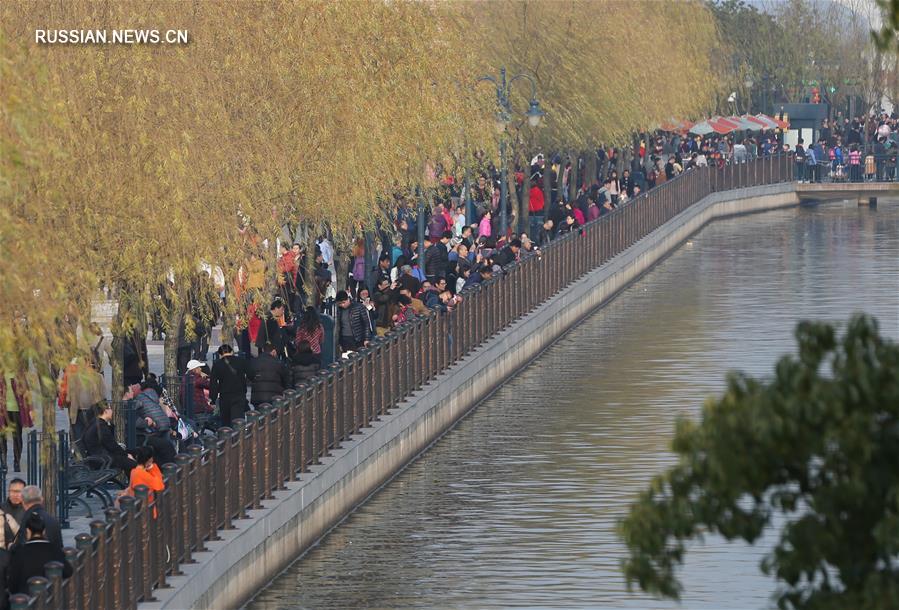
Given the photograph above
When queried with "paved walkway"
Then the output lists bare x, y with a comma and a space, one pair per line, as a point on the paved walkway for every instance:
79, 519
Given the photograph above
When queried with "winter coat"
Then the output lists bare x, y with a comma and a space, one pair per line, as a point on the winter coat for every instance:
52, 531
29, 560
147, 403
484, 229
536, 201
100, 440
23, 399
436, 226
359, 268
504, 257
430, 298
544, 237
436, 260
304, 366
579, 217
315, 338
270, 378
270, 331
382, 304
359, 320
228, 381
81, 388
193, 388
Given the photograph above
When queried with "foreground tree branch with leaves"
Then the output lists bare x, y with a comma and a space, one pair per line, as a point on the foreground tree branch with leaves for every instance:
812, 447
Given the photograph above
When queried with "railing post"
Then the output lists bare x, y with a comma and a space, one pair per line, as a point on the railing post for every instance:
54, 576
128, 546
253, 463
19, 601
38, 588
202, 494
147, 543
171, 512
114, 567
223, 481
317, 420
62, 492
101, 593
301, 429
72, 595
88, 583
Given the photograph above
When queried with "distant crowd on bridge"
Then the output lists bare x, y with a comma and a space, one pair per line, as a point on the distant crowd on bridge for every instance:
843, 152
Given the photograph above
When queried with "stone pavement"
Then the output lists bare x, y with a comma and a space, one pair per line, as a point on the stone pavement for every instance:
79, 519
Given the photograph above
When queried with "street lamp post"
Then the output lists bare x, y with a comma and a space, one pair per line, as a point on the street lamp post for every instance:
503, 117
748, 84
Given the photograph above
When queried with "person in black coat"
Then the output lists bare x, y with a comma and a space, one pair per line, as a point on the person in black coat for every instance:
304, 364
269, 375
29, 559
547, 232
382, 299
100, 440
136, 362
272, 332
353, 324
33, 501
508, 254
437, 257
228, 384
628, 184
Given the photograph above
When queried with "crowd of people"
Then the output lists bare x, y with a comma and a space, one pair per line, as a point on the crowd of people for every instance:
30, 538
307, 322
839, 154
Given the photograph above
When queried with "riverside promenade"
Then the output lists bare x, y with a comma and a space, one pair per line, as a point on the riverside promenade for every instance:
240, 509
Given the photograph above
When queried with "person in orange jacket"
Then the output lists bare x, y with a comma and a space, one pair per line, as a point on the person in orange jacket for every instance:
147, 473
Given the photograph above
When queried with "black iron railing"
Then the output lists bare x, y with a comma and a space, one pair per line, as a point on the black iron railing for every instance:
144, 541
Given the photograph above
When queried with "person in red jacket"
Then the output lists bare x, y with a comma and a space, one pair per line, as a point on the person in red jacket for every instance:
535, 206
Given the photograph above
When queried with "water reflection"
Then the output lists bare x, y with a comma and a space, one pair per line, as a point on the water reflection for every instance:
517, 506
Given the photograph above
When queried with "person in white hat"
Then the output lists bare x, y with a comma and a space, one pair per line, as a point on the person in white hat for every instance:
196, 388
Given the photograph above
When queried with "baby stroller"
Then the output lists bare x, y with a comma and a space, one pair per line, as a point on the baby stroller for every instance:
187, 433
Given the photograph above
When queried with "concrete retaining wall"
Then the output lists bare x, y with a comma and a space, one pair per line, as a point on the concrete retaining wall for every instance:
261, 547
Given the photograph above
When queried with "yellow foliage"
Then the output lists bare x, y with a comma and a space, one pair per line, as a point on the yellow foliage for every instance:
125, 165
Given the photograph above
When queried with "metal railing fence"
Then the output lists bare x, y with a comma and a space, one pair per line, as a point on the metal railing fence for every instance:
139, 545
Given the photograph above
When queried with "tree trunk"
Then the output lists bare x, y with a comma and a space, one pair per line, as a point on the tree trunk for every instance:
524, 214
117, 361
514, 204
573, 177
173, 341
548, 185
340, 266
591, 168
310, 287
49, 460
371, 261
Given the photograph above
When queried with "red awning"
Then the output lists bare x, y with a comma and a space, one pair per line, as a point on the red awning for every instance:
722, 125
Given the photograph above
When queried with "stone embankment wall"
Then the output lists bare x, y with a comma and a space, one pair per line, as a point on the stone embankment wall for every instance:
265, 544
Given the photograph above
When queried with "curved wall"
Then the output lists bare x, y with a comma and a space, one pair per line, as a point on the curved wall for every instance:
260, 547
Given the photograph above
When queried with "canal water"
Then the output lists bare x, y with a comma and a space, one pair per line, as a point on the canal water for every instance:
518, 505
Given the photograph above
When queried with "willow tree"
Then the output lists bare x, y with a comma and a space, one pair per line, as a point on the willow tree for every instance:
272, 114
46, 289
642, 64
